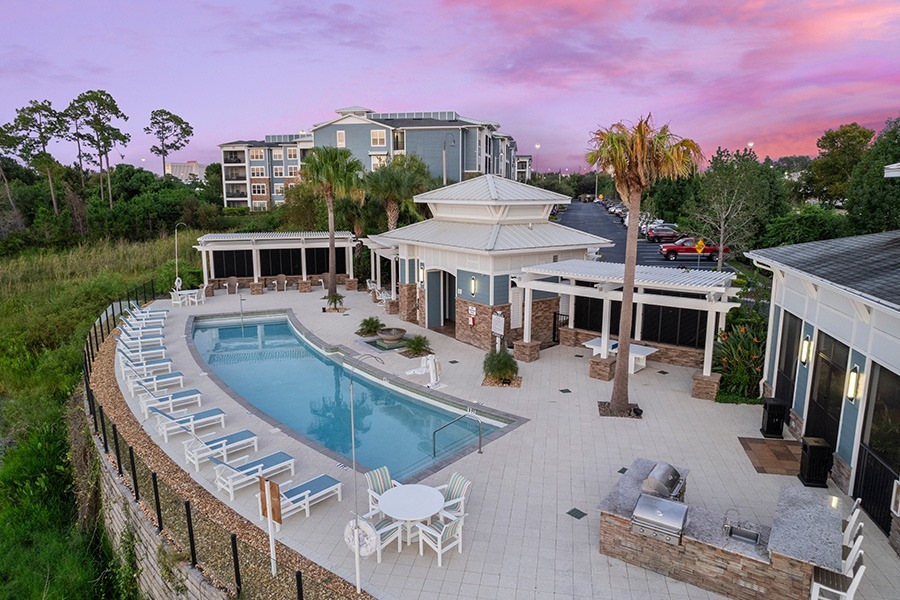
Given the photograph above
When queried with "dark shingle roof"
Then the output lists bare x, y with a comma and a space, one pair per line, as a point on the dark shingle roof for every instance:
864, 265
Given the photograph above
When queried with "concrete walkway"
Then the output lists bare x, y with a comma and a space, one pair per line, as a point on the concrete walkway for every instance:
519, 542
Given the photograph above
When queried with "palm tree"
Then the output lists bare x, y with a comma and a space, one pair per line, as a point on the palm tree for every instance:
395, 184
636, 158
336, 173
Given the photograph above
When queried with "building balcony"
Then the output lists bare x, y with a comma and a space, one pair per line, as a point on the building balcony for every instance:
234, 158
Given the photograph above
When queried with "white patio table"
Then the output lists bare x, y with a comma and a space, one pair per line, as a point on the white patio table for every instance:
190, 295
411, 503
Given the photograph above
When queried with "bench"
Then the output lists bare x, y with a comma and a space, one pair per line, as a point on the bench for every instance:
637, 354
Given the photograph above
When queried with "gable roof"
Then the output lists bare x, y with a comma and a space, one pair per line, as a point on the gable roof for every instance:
492, 189
838, 263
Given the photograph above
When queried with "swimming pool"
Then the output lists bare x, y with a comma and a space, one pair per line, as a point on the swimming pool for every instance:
283, 376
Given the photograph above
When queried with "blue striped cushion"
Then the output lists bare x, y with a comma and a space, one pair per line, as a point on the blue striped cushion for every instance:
381, 525
379, 480
456, 487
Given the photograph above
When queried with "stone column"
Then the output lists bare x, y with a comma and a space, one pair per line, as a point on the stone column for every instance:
602, 368
527, 351
407, 300
706, 387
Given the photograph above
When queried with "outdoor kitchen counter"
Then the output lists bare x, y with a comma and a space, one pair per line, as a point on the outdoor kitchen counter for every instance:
706, 527
808, 528
624, 495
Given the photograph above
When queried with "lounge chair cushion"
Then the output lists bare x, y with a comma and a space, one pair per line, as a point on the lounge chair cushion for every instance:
313, 486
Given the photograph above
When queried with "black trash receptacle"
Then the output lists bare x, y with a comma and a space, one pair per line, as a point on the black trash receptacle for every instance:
774, 412
815, 462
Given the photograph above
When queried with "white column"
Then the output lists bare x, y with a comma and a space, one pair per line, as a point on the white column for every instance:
393, 278
212, 266
638, 318
710, 338
372, 264
205, 266
349, 262
721, 326
529, 294
303, 261
572, 306
378, 270
256, 267
604, 334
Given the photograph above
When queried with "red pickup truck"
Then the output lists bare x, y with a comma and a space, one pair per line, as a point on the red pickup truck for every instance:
687, 247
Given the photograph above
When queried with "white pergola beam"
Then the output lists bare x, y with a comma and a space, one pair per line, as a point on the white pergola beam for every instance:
639, 297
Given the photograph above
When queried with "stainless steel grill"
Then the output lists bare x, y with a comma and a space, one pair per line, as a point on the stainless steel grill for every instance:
664, 481
659, 519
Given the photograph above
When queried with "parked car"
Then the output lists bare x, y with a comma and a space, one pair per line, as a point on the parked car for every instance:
662, 233
686, 247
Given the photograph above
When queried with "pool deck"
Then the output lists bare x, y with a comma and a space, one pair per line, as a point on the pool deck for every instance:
518, 540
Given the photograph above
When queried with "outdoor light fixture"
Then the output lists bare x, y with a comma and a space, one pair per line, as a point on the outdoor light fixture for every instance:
421, 272
853, 383
473, 286
805, 348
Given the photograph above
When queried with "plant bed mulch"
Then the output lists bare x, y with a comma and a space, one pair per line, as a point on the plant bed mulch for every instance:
336, 310
494, 382
629, 413
409, 354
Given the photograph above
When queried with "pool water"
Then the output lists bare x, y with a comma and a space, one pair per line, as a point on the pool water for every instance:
277, 372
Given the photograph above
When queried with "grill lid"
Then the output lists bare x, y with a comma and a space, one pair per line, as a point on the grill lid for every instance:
664, 481
661, 514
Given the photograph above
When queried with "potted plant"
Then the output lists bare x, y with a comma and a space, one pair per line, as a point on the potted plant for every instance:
500, 366
369, 327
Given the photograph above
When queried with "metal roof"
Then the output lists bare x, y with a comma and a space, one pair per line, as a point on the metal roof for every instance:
492, 189
413, 123
487, 237
271, 235
892, 170
864, 265
644, 276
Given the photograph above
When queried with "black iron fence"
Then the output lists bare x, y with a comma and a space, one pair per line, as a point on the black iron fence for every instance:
875, 486
238, 565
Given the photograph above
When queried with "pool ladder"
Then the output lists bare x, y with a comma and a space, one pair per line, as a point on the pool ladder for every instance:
469, 413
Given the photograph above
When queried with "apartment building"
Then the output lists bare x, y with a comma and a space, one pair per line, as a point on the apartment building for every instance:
523, 168
255, 174
186, 172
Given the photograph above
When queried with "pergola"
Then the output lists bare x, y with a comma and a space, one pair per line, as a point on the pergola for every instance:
713, 290
256, 243
379, 249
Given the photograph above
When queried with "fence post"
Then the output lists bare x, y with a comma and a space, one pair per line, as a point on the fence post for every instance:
190, 528
153, 288
159, 522
92, 409
237, 568
90, 343
116, 448
134, 479
299, 585
103, 431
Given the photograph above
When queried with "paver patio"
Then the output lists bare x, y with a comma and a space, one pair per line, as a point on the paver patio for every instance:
518, 540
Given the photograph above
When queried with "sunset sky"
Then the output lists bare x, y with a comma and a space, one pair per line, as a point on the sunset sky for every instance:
777, 73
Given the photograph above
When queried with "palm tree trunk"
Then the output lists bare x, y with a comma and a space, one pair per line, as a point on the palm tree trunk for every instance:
332, 259
619, 400
393, 214
52, 192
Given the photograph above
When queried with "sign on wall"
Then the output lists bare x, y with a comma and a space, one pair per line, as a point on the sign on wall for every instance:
498, 324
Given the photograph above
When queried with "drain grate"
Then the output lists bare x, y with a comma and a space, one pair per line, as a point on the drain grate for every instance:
578, 514
623, 470
453, 362
579, 356
566, 391
663, 372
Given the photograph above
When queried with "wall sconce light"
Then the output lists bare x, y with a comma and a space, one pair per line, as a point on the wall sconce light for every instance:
805, 349
473, 286
421, 273
853, 383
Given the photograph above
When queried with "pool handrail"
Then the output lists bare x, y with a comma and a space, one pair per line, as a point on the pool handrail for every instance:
469, 413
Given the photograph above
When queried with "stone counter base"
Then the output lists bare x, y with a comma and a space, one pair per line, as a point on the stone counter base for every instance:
706, 386
713, 569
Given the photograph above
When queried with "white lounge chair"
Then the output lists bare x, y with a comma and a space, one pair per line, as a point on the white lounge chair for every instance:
302, 496
237, 474
142, 341
136, 329
176, 422
200, 449
157, 313
170, 401
455, 494
155, 383
441, 535
145, 321
379, 481
142, 368
135, 352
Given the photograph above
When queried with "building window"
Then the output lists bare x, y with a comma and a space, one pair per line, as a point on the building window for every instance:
292, 153
399, 140
882, 416
341, 139
258, 154
378, 161
258, 189
278, 189
277, 154
257, 171
277, 171
292, 170
379, 138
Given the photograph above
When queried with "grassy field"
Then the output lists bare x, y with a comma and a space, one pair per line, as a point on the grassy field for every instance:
47, 303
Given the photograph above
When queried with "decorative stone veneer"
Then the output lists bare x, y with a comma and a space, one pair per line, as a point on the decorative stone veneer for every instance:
478, 335
304, 287
351, 285
603, 369
666, 353
796, 425
706, 386
840, 474
542, 314
408, 298
256, 288
767, 390
705, 566
420, 314
527, 351
392, 307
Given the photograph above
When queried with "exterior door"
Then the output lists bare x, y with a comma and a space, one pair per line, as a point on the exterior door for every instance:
829, 375
449, 297
434, 316
788, 354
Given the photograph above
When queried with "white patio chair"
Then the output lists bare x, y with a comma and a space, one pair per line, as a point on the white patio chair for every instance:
850, 555
232, 285
302, 496
387, 530
455, 494
379, 482
199, 297
240, 473
177, 299
851, 519
851, 533
828, 585
441, 536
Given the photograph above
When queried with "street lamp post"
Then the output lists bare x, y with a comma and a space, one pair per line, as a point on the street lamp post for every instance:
176, 248
353, 370
444, 152
537, 148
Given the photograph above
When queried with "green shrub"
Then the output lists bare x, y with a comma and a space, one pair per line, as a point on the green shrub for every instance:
191, 277
235, 211
335, 301
418, 345
738, 355
370, 326
723, 397
500, 364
